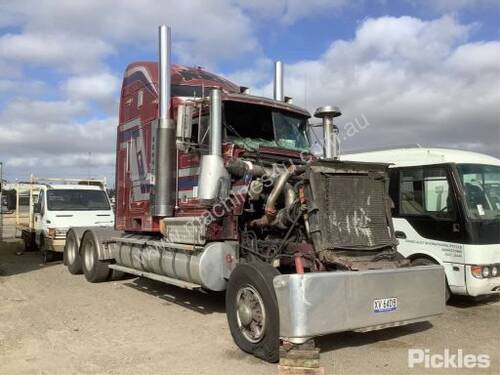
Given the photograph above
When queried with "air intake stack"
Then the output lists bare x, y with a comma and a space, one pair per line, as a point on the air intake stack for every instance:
330, 131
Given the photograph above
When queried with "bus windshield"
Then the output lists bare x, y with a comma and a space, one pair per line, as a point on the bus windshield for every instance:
481, 184
77, 200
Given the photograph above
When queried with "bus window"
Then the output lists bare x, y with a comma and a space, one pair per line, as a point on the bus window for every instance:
426, 191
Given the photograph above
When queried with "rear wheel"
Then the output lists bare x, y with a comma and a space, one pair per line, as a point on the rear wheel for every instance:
252, 310
95, 270
71, 256
429, 262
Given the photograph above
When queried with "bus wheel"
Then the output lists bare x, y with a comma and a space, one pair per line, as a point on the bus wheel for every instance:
71, 256
95, 270
252, 310
429, 262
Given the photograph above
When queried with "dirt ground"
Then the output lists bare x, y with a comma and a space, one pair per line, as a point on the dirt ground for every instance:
52, 322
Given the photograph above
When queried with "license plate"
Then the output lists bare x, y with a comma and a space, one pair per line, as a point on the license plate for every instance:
385, 305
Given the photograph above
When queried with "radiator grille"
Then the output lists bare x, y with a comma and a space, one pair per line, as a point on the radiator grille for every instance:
350, 210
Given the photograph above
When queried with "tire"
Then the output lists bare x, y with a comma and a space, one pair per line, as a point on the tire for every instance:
71, 255
29, 242
253, 282
95, 270
429, 262
47, 255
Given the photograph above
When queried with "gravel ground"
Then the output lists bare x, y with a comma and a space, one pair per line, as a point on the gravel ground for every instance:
52, 322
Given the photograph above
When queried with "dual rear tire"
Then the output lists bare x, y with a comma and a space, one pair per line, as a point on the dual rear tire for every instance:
71, 254
95, 270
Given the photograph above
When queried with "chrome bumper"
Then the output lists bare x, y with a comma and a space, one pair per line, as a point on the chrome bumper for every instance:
315, 304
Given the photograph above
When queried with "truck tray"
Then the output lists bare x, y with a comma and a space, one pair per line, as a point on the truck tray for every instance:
315, 304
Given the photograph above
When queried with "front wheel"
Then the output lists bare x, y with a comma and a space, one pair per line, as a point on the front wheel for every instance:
47, 255
252, 310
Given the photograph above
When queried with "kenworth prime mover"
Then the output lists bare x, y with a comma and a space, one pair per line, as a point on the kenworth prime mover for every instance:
216, 190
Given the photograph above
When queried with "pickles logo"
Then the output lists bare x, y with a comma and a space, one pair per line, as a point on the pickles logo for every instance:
447, 359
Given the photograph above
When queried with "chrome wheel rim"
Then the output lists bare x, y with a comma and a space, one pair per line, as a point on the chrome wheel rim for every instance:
88, 256
250, 313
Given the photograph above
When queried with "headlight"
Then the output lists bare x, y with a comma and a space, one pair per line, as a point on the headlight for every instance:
486, 271
51, 232
494, 271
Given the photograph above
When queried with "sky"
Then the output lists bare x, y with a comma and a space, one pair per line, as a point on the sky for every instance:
402, 72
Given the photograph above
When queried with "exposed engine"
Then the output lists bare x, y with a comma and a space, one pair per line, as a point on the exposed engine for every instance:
306, 217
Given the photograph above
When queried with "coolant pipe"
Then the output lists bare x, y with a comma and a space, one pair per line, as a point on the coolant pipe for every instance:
299, 266
240, 168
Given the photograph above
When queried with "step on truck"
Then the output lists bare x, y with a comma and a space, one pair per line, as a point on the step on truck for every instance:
47, 207
216, 190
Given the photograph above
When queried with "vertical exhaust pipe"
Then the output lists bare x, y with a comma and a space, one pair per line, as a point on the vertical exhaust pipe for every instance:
330, 131
213, 182
164, 198
278, 81
215, 122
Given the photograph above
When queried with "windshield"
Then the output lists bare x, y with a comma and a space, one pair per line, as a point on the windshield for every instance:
77, 200
252, 126
481, 184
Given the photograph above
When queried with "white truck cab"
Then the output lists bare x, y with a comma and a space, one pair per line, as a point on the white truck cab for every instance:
61, 206
447, 211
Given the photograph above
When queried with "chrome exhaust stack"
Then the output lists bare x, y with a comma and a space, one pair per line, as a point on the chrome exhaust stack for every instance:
330, 131
214, 179
278, 81
165, 163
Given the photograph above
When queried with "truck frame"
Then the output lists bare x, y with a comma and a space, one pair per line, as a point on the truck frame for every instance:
217, 191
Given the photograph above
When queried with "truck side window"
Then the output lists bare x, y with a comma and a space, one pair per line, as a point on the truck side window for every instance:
426, 191
199, 133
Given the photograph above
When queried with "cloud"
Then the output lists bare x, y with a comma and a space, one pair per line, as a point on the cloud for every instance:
57, 50
61, 33
415, 81
101, 88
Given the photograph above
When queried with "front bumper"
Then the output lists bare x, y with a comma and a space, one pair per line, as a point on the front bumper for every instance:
480, 287
56, 244
315, 304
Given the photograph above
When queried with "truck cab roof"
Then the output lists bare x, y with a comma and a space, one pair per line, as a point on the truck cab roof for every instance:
72, 187
413, 156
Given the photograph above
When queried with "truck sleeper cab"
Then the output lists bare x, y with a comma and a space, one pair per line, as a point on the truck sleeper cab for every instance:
447, 211
217, 190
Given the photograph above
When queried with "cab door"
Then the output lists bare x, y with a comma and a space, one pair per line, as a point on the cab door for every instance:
426, 198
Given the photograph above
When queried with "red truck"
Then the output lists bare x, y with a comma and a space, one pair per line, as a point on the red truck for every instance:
216, 190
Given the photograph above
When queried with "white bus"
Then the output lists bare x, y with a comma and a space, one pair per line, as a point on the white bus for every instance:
447, 211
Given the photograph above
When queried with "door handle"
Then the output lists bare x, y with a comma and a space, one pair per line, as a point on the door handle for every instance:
400, 235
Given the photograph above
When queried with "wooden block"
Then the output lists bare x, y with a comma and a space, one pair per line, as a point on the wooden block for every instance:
300, 353
288, 370
300, 362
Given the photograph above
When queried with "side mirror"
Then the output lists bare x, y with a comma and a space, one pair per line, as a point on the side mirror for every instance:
184, 122
37, 208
